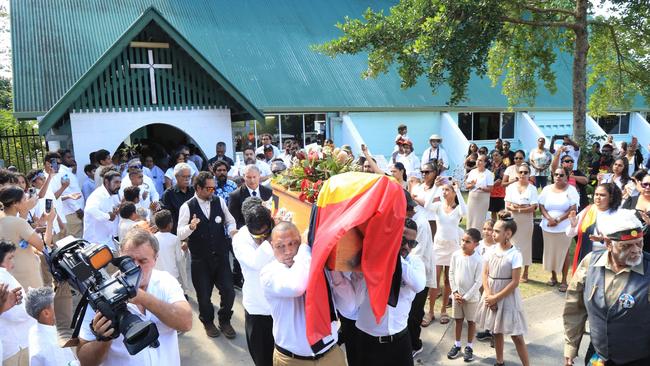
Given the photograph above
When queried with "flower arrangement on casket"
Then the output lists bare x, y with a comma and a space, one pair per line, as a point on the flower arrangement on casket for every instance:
310, 169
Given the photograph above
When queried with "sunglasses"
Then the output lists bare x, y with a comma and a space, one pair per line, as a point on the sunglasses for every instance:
261, 236
645, 185
425, 172
559, 175
567, 161
516, 158
524, 172
210, 189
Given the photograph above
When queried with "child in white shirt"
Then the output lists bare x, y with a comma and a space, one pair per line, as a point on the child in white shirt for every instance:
487, 243
170, 256
128, 218
465, 278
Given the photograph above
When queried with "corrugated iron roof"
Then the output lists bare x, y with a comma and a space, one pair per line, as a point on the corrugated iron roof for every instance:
261, 47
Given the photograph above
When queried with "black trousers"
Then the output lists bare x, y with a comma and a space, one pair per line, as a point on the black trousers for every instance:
398, 352
206, 273
591, 351
259, 338
415, 317
348, 335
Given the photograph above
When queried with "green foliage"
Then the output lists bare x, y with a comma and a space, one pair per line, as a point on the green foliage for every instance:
513, 42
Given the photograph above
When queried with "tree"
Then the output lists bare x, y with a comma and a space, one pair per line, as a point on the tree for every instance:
515, 42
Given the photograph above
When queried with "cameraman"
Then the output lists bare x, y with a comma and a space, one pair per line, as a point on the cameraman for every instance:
160, 299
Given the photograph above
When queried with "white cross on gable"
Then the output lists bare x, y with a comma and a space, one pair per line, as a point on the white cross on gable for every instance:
152, 67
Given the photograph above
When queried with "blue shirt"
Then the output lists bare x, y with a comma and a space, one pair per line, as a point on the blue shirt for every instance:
224, 192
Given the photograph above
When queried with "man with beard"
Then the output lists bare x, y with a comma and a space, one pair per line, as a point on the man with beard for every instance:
221, 155
102, 207
175, 196
224, 185
610, 289
250, 159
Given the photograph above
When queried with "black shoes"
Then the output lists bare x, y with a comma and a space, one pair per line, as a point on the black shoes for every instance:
484, 336
468, 354
211, 330
453, 353
227, 330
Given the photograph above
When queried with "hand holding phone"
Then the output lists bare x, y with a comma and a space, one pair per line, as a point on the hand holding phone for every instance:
48, 205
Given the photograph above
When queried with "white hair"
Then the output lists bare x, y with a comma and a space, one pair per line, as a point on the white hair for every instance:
250, 167
178, 168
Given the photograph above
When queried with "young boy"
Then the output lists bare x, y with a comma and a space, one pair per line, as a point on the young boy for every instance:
43, 343
128, 218
485, 247
88, 185
465, 279
170, 256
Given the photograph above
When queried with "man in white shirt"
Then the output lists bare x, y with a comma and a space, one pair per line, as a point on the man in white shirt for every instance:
253, 251
44, 349
71, 197
436, 152
204, 221
267, 139
159, 300
149, 197
102, 208
284, 282
250, 159
388, 342
104, 162
157, 174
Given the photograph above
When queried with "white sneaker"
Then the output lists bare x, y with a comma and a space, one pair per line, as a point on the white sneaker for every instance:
417, 351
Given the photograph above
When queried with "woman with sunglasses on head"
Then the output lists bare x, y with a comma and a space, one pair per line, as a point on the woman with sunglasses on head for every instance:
521, 201
556, 202
511, 175
449, 211
641, 204
586, 224
479, 183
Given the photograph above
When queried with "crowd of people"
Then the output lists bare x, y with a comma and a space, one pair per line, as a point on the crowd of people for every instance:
184, 219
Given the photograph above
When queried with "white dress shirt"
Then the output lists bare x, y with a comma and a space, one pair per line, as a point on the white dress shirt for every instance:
165, 288
97, 225
184, 218
252, 258
424, 249
395, 318
284, 288
438, 153
44, 349
14, 322
147, 186
68, 206
465, 274
238, 168
276, 151
170, 255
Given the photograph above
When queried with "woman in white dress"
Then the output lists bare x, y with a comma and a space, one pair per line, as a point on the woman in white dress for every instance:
447, 239
479, 182
521, 201
556, 202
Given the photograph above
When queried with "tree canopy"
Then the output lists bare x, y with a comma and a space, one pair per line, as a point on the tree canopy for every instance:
514, 42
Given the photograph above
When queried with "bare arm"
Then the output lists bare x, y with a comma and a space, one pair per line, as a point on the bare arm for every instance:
373, 165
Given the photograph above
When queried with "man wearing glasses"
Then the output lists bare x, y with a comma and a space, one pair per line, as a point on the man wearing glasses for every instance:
610, 289
175, 196
204, 221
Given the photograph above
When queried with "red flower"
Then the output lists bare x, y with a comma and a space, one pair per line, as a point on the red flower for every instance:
301, 155
313, 156
309, 170
304, 184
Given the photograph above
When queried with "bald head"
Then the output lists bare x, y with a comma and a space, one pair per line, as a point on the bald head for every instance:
285, 240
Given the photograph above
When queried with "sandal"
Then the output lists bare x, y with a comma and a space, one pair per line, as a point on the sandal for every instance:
444, 318
563, 287
428, 318
552, 283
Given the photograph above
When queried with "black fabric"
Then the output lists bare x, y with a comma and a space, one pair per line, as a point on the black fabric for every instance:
415, 317
238, 196
206, 273
225, 158
259, 338
541, 181
496, 204
172, 199
399, 352
209, 238
348, 335
393, 295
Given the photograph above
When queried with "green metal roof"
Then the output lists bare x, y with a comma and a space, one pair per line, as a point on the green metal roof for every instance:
261, 47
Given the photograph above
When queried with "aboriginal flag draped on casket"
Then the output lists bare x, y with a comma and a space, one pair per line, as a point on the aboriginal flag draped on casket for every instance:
347, 201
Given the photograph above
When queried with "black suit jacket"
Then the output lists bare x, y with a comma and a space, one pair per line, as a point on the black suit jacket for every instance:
238, 196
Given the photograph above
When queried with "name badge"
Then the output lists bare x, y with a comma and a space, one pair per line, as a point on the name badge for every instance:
626, 300
217, 219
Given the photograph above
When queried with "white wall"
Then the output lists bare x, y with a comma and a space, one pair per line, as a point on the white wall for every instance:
92, 131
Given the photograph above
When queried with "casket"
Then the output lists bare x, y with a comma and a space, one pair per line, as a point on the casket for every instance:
347, 256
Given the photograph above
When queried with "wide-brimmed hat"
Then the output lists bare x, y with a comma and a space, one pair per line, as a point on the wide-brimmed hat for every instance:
435, 137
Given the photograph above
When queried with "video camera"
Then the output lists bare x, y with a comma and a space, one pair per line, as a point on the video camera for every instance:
83, 264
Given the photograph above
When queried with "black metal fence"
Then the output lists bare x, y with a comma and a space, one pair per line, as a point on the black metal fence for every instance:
22, 148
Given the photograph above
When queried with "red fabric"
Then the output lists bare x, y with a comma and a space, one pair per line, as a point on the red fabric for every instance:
383, 208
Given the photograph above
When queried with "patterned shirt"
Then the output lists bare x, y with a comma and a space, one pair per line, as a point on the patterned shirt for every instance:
224, 192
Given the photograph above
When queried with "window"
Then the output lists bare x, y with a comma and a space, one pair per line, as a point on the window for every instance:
615, 123
487, 125
304, 128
